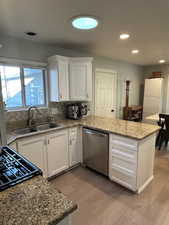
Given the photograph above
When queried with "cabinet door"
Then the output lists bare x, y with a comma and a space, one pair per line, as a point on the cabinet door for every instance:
58, 78
80, 81
63, 80
13, 145
152, 94
74, 147
57, 152
53, 81
153, 87
34, 150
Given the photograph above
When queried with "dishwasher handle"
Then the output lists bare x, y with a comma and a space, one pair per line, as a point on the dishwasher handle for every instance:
93, 132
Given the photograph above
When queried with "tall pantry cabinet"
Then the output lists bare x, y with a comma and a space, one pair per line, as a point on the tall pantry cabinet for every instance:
152, 96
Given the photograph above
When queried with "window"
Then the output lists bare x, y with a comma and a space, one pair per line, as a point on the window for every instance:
34, 86
23, 86
11, 86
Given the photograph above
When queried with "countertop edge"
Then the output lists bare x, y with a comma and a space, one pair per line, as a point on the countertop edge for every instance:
64, 215
116, 133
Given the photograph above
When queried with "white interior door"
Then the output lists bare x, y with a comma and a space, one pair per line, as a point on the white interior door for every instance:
105, 93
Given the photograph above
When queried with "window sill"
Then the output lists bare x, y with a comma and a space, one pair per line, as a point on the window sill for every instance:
24, 109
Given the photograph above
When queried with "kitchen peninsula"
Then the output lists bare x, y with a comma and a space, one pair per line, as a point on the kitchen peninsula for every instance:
131, 148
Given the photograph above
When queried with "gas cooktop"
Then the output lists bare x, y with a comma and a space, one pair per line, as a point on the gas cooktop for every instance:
14, 168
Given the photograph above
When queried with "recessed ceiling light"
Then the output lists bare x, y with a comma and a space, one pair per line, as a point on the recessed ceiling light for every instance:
135, 51
30, 33
1, 45
124, 36
84, 22
161, 61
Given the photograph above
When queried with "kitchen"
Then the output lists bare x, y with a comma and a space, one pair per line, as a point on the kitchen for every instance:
63, 95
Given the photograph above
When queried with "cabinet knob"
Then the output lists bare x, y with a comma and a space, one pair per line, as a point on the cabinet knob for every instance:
87, 96
112, 110
60, 96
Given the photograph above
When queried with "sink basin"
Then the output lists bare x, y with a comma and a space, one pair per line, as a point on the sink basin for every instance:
28, 130
47, 126
24, 131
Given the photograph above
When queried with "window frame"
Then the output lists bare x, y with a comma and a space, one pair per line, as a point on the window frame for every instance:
23, 95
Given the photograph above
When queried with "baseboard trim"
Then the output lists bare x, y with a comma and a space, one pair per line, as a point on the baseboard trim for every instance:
62, 172
145, 185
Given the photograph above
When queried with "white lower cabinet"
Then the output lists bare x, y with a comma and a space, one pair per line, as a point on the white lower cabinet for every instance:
75, 148
33, 148
53, 152
13, 145
131, 162
57, 152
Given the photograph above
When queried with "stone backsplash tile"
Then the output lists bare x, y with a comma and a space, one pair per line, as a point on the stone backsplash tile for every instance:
16, 119
19, 118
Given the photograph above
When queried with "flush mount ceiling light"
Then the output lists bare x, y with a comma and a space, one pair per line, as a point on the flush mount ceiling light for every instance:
124, 36
161, 61
30, 33
84, 22
135, 51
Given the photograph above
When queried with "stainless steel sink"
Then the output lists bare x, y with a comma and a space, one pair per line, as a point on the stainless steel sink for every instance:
24, 131
47, 126
41, 127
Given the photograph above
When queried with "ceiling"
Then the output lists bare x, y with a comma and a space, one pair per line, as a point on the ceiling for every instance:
146, 21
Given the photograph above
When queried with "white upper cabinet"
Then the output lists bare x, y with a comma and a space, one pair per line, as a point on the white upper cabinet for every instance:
70, 78
80, 79
58, 78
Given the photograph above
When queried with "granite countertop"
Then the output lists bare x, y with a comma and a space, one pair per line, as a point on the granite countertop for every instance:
125, 128
12, 135
34, 202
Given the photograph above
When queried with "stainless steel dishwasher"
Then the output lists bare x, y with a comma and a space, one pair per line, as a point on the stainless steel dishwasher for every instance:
96, 150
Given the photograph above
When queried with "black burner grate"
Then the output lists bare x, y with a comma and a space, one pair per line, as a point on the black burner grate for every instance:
14, 168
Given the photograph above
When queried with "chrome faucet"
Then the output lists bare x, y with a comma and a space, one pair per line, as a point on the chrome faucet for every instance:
30, 122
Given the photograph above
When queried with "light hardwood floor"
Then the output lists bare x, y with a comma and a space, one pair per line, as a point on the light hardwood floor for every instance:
101, 202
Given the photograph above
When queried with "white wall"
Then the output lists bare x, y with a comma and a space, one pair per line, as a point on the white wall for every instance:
125, 72
31, 50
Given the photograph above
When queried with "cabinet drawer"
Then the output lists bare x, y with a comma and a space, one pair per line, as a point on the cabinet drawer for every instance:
125, 166
123, 179
125, 154
73, 133
73, 130
123, 142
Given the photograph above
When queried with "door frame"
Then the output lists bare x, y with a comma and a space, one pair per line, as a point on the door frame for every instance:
115, 91
167, 98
